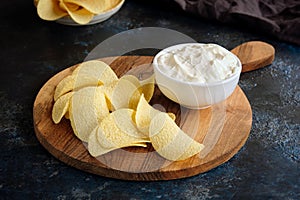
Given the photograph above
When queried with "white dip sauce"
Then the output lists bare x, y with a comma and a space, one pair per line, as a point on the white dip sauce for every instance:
201, 63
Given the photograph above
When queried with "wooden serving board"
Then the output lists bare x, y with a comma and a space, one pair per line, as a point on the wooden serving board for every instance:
222, 128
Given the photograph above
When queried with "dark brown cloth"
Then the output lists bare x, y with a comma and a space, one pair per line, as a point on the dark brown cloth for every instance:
280, 18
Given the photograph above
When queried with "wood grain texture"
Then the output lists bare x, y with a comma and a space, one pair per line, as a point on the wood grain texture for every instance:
222, 128
254, 55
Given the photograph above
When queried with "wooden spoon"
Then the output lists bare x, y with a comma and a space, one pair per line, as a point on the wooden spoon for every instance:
254, 55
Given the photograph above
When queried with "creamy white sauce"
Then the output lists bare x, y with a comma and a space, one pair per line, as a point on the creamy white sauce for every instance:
202, 63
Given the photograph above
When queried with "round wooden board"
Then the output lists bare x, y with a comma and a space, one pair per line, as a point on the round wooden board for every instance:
222, 128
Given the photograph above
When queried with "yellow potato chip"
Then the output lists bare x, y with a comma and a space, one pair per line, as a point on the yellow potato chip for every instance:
80, 16
133, 79
50, 10
93, 6
87, 108
96, 149
96, 69
134, 99
147, 87
74, 82
108, 91
124, 95
144, 114
64, 86
118, 130
61, 107
72, 7
170, 141
89, 73
110, 4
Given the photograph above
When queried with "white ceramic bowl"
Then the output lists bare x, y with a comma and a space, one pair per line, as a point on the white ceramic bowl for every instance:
67, 20
192, 94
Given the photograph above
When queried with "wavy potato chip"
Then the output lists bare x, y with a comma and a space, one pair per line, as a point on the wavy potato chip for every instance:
147, 87
108, 91
61, 107
96, 149
73, 82
96, 69
89, 73
72, 7
119, 130
50, 10
133, 79
170, 141
91, 5
87, 108
145, 113
80, 15
124, 95
110, 4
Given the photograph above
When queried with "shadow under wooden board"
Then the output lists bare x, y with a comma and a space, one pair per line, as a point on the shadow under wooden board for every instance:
222, 128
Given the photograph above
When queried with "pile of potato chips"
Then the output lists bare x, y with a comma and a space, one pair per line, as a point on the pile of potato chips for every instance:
110, 113
81, 11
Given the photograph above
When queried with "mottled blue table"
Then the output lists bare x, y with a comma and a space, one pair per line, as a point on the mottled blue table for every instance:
33, 50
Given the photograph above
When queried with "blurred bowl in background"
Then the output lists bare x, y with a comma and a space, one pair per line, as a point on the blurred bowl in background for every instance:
67, 20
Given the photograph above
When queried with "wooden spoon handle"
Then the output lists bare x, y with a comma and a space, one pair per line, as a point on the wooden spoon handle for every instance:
254, 55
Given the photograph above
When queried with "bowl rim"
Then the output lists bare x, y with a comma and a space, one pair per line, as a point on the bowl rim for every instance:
220, 82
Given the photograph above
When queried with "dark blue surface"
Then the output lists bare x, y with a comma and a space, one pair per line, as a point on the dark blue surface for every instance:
33, 50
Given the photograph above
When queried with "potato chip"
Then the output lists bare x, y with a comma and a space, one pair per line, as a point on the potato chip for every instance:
95, 7
73, 82
124, 95
89, 73
110, 4
87, 108
50, 10
96, 69
72, 7
61, 107
96, 149
147, 87
133, 79
144, 114
108, 91
118, 130
170, 141
80, 16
